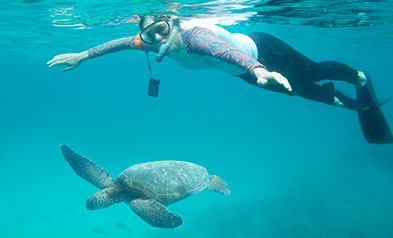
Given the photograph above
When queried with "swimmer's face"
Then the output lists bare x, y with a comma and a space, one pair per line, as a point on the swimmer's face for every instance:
154, 32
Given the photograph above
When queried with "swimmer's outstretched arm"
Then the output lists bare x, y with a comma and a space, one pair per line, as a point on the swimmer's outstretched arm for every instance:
205, 42
72, 60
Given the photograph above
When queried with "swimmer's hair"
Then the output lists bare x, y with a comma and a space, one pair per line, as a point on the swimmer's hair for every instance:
158, 18
163, 18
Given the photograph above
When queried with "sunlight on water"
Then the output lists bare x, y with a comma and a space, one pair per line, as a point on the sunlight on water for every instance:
38, 20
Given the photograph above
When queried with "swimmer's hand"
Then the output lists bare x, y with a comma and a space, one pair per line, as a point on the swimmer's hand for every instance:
265, 78
72, 60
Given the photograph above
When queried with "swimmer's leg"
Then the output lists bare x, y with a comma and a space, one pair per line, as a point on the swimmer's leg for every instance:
374, 125
333, 70
326, 93
278, 56
372, 120
342, 100
303, 73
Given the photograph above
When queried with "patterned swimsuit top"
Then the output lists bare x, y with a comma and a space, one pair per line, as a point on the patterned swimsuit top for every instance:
197, 40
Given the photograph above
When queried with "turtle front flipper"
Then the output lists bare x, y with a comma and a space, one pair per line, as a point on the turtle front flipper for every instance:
155, 213
87, 169
219, 185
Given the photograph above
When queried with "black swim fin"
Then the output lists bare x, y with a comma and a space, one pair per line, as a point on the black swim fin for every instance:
375, 128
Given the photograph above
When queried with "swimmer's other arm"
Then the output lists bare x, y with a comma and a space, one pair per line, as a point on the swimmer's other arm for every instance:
72, 60
205, 42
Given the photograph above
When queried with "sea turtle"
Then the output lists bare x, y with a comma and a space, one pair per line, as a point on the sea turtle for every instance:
146, 187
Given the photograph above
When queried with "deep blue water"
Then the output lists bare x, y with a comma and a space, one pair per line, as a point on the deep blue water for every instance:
296, 168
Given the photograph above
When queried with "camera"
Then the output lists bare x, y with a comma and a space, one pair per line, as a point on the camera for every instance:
154, 87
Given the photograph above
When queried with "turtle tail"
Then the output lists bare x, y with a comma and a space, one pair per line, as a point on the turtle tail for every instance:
87, 169
217, 184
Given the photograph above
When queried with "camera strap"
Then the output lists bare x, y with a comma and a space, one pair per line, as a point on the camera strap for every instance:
149, 64
154, 83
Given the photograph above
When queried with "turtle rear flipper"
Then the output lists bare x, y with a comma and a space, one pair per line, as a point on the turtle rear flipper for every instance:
105, 198
217, 184
155, 213
87, 169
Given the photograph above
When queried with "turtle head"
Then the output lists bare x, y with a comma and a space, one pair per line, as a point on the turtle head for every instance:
219, 185
104, 198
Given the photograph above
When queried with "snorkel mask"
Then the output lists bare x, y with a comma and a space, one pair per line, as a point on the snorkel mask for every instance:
156, 31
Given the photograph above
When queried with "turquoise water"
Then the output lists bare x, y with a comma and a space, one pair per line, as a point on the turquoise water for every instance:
296, 168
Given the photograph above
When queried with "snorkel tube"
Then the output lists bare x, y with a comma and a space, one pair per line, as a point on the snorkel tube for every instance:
171, 38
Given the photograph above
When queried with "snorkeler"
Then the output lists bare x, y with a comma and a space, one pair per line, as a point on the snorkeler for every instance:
258, 58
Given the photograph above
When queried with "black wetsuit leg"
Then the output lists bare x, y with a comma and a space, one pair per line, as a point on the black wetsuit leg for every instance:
302, 72
333, 70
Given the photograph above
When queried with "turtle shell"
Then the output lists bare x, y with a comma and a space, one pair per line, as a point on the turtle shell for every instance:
169, 180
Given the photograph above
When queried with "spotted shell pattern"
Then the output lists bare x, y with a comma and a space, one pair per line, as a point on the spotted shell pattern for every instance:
169, 181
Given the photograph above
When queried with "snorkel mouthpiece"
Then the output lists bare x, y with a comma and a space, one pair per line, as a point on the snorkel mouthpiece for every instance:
164, 47
162, 52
